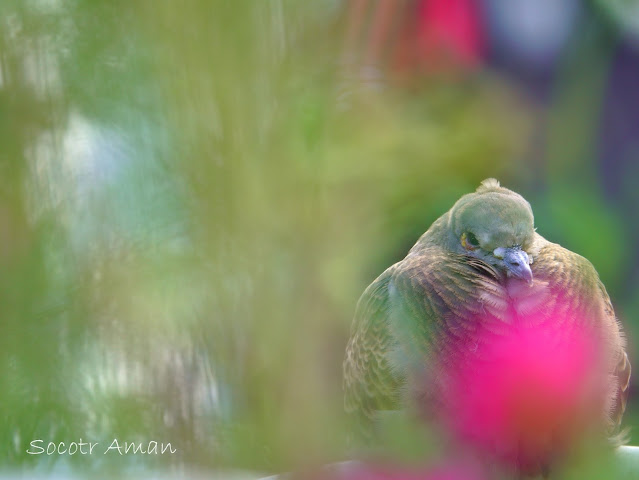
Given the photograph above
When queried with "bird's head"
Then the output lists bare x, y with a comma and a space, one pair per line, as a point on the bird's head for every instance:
496, 226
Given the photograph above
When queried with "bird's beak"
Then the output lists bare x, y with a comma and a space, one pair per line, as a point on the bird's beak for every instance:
517, 262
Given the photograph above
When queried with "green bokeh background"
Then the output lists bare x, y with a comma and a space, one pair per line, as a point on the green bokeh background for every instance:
194, 195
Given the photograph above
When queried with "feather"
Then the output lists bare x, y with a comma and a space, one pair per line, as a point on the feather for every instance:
442, 306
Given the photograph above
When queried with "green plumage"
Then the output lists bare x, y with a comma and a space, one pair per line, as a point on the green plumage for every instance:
429, 301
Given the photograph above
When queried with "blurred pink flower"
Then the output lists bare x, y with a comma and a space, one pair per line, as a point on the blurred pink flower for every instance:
452, 27
526, 393
416, 38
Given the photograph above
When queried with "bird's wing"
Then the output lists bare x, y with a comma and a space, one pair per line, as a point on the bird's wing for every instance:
369, 383
400, 313
622, 372
583, 293
622, 368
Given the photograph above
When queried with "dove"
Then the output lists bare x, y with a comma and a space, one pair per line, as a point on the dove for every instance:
505, 340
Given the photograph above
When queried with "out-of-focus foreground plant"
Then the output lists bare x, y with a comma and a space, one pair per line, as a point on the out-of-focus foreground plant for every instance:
193, 197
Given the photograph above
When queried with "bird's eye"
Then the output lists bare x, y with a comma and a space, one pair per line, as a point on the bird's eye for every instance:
469, 241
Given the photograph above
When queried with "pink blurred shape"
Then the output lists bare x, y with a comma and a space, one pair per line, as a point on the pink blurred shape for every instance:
527, 393
452, 27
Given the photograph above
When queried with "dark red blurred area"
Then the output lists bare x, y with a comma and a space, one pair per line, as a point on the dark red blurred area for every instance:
416, 38
440, 34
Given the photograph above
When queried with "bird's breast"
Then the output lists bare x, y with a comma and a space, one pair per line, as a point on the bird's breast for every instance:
512, 302
529, 303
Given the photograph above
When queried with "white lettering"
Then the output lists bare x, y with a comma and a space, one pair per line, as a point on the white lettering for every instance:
136, 448
32, 445
116, 447
170, 447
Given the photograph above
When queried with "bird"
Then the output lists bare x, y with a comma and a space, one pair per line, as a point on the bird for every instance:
507, 339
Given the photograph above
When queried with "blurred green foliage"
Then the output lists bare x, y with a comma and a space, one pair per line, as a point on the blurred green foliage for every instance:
194, 196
